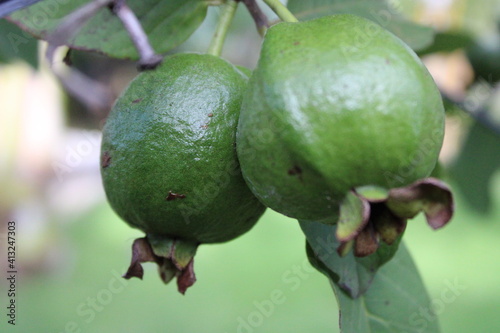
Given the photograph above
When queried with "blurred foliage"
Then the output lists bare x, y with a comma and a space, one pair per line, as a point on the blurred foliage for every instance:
484, 56
235, 279
478, 161
461, 259
379, 11
447, 42
238, 282
167, 23
392, 303
384, 307
234, 287
15, 44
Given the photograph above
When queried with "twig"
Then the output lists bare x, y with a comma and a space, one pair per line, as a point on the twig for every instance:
258, 15
95, 95
71, 24
281, 10
479, 114
148, 58
7, 7
91, 93
225, 20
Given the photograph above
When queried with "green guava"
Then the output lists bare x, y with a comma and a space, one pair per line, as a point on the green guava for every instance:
169, 164
336, 103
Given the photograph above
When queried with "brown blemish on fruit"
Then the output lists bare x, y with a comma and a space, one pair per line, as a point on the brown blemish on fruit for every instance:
172, 196
210, 114
135, 101
387, 61
204, 126
296, 43
296, 170
105, 159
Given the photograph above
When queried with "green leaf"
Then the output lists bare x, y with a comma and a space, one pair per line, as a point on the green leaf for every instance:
16, 44
479, 159
484, 55
416, 36
354, 274
166, 22
448, 42
397, 301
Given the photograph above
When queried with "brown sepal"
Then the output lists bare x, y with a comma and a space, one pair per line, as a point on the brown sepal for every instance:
141, 252
429, 195
380, 215
168, 267
366, 242
186, 278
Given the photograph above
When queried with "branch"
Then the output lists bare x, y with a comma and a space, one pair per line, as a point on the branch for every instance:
7, 7
258, 15
281, 10
148, 58
71, 24
91, 93
479, 114
223, 25
95, 95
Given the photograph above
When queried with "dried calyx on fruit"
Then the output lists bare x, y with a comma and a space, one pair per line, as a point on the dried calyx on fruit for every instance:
335, 106
169, 165
371, 214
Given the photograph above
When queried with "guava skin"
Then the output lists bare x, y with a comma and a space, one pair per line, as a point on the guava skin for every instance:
335, 103
168, 157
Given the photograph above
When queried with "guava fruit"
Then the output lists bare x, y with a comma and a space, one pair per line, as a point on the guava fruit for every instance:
341, 124
336, 103
169, 164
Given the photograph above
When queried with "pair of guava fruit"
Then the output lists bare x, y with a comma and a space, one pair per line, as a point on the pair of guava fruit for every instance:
339, 119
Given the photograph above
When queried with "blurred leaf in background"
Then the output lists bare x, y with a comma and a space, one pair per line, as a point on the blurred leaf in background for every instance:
73, 248
397, 301
478, 161
167, 23
380, 11
16, 44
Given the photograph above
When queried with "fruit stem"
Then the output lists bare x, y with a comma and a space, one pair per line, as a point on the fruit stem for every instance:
281, 10
260, 19
225, 20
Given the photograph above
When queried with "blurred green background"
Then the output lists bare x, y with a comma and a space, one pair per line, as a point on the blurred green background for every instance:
236, 279
72, 248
